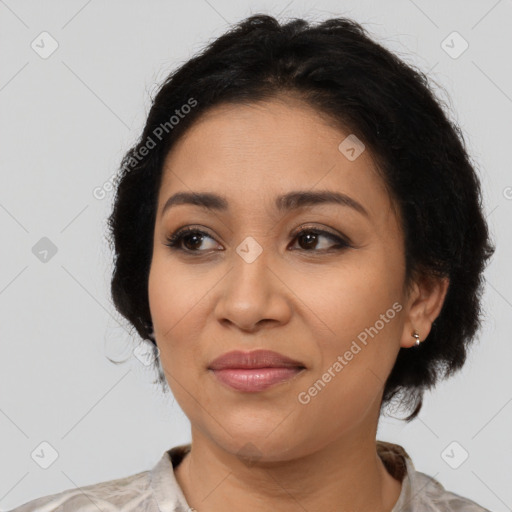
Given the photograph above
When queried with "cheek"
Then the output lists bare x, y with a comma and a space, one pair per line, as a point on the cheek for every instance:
175, 308
357, 314
349, 300
173, 294
357, 353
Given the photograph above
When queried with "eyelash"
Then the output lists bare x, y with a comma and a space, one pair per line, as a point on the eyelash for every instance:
174, 240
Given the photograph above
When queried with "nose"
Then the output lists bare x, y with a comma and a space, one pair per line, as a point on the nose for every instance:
253, 293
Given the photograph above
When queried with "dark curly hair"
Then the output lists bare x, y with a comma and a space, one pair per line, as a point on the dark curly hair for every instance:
356, 83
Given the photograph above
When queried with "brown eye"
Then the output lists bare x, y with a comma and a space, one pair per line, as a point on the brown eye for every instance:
311, 239
191, 238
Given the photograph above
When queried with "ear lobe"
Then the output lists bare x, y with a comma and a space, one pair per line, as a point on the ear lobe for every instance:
427, 301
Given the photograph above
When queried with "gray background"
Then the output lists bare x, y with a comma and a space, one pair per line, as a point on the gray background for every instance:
67, 119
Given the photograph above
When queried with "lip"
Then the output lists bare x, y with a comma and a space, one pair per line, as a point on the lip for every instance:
254, 359
254, 371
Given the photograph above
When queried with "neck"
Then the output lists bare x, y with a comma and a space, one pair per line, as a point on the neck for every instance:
346, 474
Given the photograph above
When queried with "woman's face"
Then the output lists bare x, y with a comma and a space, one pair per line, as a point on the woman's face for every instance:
252, 283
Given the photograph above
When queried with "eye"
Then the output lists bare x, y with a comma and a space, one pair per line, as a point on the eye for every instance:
192, 238
312, 235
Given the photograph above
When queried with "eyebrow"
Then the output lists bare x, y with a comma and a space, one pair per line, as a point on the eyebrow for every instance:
286, 202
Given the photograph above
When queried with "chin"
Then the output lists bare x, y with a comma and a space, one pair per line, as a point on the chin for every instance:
258, 443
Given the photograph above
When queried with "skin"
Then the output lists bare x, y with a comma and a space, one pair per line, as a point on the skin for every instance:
297, 298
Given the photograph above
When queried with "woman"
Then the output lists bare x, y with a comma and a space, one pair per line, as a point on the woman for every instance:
299, 235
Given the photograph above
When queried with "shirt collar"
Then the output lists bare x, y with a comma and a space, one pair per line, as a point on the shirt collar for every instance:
166, 490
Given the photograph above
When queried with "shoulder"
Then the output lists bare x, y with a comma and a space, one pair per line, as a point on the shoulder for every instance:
432, 495
132, 492
419, 490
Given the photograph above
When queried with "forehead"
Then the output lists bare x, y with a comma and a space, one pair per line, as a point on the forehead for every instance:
252, 153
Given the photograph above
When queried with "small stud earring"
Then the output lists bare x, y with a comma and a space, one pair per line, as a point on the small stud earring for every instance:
416, 335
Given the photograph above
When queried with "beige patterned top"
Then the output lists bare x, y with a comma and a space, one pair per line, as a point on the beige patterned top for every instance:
157, 490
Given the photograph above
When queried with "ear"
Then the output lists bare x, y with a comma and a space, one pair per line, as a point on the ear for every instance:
424, 304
